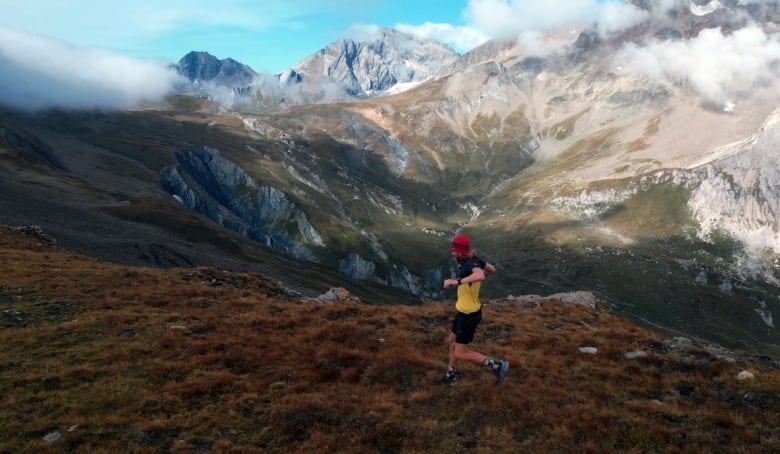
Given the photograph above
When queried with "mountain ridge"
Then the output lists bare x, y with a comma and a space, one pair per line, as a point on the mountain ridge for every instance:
345, 70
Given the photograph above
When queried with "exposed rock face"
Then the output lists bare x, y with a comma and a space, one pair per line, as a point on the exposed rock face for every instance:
203, 67
226, 194
739, 193
363, 69
404, 278
222, 191
355, 267
345, 70
733, 193
227, 81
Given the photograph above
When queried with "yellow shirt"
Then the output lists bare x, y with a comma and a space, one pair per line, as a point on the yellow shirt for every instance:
468, 298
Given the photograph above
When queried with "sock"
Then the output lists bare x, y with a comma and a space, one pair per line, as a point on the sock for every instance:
492, 363
451, 371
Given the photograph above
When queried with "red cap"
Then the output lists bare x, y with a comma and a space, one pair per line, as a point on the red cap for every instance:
461, 245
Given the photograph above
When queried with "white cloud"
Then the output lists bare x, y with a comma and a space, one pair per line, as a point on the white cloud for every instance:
363, 32
534, 22
40, 72
530, 22
461, 39
661, 7
616, 17
717, 66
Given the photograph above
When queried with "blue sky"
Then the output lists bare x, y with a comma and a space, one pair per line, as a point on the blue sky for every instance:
273, 35
268, 35
282, 36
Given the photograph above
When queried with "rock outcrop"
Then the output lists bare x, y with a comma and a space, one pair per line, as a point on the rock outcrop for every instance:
223, 192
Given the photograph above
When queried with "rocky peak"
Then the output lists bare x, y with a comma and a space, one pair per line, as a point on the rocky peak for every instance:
372, 66
204, 67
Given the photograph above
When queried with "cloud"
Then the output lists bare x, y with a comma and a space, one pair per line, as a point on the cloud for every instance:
459, 38
40, 72
508, 18
250, 31
717, 66
529, 21
535, 22
616, 17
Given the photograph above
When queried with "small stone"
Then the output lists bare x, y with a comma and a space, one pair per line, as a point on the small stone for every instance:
589, 350
53, 436
636, 354
745, 375
74, 428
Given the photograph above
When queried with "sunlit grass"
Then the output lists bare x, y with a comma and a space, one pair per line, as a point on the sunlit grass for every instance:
199, 360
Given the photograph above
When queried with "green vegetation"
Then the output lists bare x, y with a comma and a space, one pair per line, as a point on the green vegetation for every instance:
516, 125
642, 142
564, 129
723, 245
190, 104
660, 211
174, 218
486, 127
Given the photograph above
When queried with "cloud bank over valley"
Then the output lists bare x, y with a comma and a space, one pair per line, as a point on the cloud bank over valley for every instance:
40, 72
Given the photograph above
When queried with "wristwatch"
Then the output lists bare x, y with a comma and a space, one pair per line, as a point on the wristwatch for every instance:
459, 282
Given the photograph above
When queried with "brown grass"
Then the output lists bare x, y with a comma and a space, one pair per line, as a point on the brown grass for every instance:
198, 360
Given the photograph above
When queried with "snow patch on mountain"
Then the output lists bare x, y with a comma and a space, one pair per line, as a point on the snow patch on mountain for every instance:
703, 10
400, 87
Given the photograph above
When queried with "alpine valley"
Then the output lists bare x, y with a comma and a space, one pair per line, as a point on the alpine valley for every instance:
608, 164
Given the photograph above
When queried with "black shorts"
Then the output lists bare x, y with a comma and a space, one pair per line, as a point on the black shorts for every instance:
465, 325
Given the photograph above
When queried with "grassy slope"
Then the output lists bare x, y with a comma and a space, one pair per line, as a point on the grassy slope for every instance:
186, 360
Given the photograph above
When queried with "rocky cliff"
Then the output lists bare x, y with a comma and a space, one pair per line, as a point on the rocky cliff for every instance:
223, 192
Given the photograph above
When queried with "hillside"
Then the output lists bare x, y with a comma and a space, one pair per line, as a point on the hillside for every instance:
100, 357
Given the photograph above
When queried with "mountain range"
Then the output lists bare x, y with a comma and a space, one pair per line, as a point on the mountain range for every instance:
612, 164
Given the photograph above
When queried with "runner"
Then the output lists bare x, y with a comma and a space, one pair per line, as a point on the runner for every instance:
471, 272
